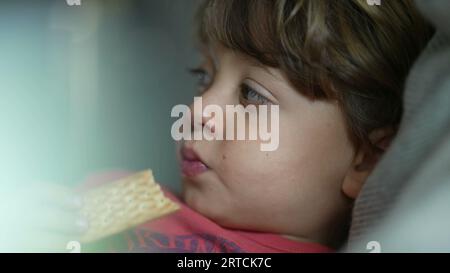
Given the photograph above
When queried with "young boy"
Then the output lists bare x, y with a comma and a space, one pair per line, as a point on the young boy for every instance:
336, 70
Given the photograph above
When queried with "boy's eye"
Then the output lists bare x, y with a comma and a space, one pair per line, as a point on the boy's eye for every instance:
251, 96
204, 79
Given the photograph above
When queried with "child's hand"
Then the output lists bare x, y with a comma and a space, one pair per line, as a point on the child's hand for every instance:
39, 218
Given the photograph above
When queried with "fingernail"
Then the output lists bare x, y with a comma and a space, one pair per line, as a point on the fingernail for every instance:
82, 224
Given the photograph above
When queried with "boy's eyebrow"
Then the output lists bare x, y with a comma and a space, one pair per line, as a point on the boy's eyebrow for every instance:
209, 52
257, 64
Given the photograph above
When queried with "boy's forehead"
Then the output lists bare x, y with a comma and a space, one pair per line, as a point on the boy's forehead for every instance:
214, 52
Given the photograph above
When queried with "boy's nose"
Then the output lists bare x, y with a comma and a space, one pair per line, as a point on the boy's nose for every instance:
204, 121
199, 119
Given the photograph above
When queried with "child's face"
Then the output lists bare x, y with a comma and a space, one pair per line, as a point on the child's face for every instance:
295, 190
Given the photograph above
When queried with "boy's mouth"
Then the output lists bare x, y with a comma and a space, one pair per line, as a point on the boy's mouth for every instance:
191, 164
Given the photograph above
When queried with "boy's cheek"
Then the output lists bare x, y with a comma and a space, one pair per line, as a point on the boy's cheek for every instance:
215, 202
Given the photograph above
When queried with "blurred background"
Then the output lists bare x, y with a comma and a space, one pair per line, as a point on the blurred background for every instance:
89, 88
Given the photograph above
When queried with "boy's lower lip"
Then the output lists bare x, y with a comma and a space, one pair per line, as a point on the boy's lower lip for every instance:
192, 168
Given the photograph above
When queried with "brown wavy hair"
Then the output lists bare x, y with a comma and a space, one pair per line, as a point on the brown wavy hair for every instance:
344, 50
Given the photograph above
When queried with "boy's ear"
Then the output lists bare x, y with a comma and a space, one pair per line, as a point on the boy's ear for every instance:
365, 161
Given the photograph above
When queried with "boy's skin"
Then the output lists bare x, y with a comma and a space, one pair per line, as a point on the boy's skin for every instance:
305, 188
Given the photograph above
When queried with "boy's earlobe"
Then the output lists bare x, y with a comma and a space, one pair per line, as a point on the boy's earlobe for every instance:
355, 178
351, 187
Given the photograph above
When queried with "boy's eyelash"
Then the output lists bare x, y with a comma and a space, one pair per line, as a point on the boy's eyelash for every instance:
195, 70
202, 77
246, 90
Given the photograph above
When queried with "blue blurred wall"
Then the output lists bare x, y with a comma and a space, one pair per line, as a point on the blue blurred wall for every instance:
90, 88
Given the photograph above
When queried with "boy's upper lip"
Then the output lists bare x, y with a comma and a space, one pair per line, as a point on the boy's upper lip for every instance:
189, 154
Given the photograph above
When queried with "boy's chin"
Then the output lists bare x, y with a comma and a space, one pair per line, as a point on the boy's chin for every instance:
190, 194
195, 199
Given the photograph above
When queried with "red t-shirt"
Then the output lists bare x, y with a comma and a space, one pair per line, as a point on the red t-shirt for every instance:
187, 231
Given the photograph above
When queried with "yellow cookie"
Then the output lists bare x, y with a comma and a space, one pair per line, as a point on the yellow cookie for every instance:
120, 205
